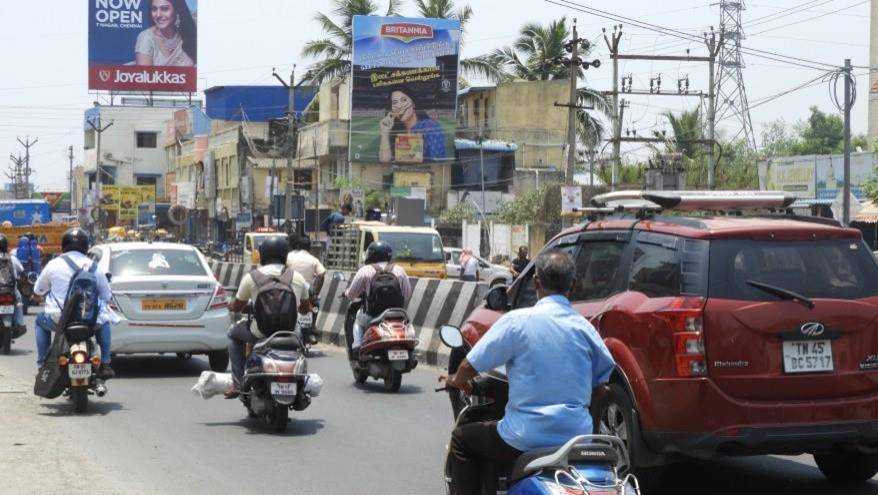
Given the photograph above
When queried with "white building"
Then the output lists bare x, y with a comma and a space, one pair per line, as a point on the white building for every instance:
132, 149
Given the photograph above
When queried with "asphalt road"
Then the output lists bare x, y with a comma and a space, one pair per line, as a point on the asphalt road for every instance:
153, 436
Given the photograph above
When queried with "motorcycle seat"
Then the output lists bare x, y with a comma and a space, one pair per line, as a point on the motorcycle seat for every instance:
560, 457
281, 341
390, 314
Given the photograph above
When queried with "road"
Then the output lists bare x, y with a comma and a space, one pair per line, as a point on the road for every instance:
151, 435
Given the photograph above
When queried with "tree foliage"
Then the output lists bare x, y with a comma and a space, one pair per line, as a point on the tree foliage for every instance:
462, 212
530, 207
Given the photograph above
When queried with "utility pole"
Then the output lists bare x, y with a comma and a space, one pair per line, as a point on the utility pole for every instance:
292, 137
95, 124
713, 48
613, 46
27, 143
482, 166
848, 102
70, 177
14, 174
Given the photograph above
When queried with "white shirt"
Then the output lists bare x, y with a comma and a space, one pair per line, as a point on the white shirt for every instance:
306, 264
55, 278
247, 290
471, 267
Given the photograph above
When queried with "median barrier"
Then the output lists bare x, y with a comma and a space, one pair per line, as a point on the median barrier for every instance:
434, 303
229, 274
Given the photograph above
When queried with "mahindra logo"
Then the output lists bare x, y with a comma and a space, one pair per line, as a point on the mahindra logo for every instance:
407, 31
104, 74
812, 329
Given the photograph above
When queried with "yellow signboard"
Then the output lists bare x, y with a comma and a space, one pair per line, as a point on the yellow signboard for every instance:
147, 194
110, 197
129, 199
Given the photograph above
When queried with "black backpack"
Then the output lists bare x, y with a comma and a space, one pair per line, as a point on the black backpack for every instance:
7, 274
384, 291
275, 306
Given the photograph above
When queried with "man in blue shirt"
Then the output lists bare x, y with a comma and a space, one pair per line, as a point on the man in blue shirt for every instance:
553, 358
335, 218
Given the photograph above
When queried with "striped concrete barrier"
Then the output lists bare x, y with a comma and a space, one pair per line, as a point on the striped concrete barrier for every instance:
229, 274
434, 303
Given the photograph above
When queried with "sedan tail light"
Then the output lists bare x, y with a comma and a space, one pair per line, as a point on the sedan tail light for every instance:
220, 299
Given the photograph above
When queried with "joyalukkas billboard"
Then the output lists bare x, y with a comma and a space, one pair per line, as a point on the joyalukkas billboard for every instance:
142, 45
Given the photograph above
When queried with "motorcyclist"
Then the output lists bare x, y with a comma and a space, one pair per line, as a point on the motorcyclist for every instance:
312, 270
548, 403
272, 258
17, 270
54, 281
378, 256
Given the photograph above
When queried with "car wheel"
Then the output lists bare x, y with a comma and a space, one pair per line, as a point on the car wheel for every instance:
847, 467
612, 415
219, 360
497, 282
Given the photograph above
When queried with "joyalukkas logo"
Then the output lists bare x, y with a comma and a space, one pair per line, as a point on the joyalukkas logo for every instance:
407, 31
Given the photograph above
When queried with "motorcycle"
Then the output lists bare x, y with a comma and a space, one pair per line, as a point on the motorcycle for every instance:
80, 365
8, 331
276, 380
584, 465
307, 321
387, 350
26, 283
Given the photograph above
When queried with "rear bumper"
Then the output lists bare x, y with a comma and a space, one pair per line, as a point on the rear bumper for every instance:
206, 334
777, 440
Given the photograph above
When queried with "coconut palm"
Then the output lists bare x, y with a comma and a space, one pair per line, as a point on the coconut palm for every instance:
444, 9
334, 51
687, 129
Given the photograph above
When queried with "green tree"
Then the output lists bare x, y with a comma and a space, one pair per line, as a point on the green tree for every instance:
462, 212
686, 130
820, 134
777, 139
334, 51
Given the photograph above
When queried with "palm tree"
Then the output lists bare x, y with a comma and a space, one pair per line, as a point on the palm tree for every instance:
334, 51
687, 129
445, 9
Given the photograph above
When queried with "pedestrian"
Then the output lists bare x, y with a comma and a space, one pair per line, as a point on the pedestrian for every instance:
521, 262
469, 266
335, 218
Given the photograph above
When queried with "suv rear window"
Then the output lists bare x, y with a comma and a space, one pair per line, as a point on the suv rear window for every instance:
157, 262
832, 269
668, 266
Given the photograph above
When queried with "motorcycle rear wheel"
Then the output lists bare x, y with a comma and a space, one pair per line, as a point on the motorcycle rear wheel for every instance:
278, 418
79, 396
360, 377
393, 381
6, 341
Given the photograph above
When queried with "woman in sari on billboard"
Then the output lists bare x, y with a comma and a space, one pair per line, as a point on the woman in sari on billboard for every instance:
172, 38
407, 135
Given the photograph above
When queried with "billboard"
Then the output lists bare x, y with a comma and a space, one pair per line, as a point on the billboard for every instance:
404, 92
830, 175
794, 175
142, 45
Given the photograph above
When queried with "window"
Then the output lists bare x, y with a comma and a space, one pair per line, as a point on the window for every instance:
655, 271
414, 247
156, 262
831, 269
527, 293
147, 139
597, 267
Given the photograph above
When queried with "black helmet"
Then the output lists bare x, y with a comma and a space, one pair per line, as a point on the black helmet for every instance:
274, 250
30, 235
75, 239
379, 251
4, 244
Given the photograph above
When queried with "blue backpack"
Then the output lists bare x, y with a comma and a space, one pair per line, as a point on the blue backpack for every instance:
23, 251
82, 291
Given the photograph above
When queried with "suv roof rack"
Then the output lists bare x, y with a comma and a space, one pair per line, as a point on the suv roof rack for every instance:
699, 200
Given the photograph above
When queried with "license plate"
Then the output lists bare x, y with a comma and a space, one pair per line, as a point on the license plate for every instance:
79, 370
7, 309
306, 320
163, 305
395, 355
278, 388
807, 356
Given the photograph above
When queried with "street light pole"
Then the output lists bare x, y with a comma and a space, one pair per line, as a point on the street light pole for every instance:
98, 166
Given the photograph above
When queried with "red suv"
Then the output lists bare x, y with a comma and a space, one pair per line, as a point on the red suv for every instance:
733, 335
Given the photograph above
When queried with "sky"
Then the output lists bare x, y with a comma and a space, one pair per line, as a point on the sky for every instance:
43, 74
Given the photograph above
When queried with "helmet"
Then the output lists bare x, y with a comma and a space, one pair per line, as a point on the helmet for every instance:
75, 239
4, 244
7, 224
30, 235
379, 251
274, 250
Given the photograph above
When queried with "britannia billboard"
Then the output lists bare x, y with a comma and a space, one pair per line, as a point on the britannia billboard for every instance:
404, 94
142, 45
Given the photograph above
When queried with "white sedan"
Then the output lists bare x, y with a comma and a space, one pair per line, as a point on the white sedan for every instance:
493, 274
168, 299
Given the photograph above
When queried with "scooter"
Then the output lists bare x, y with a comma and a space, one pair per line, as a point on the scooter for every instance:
584, 465
276, 380
80, 365
387, 350
26, 283
8, 332
306, 322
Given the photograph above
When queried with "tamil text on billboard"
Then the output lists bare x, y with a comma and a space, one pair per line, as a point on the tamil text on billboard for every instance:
404, 94
142, 45
794, 175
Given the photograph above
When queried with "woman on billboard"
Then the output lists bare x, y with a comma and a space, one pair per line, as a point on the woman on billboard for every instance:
172, 38
409, 136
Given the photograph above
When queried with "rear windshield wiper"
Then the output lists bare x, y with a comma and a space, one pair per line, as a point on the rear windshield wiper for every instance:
781, 292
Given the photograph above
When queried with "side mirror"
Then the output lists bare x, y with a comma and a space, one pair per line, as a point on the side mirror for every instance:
497, 299
451, 336
109, 277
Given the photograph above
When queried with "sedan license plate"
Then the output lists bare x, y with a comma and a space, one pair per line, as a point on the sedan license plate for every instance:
395, 355
79, 370
7, 309
163, 305
807, 356
288, 389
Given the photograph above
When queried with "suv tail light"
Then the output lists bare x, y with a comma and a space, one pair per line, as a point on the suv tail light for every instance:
220, 299
686, 319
